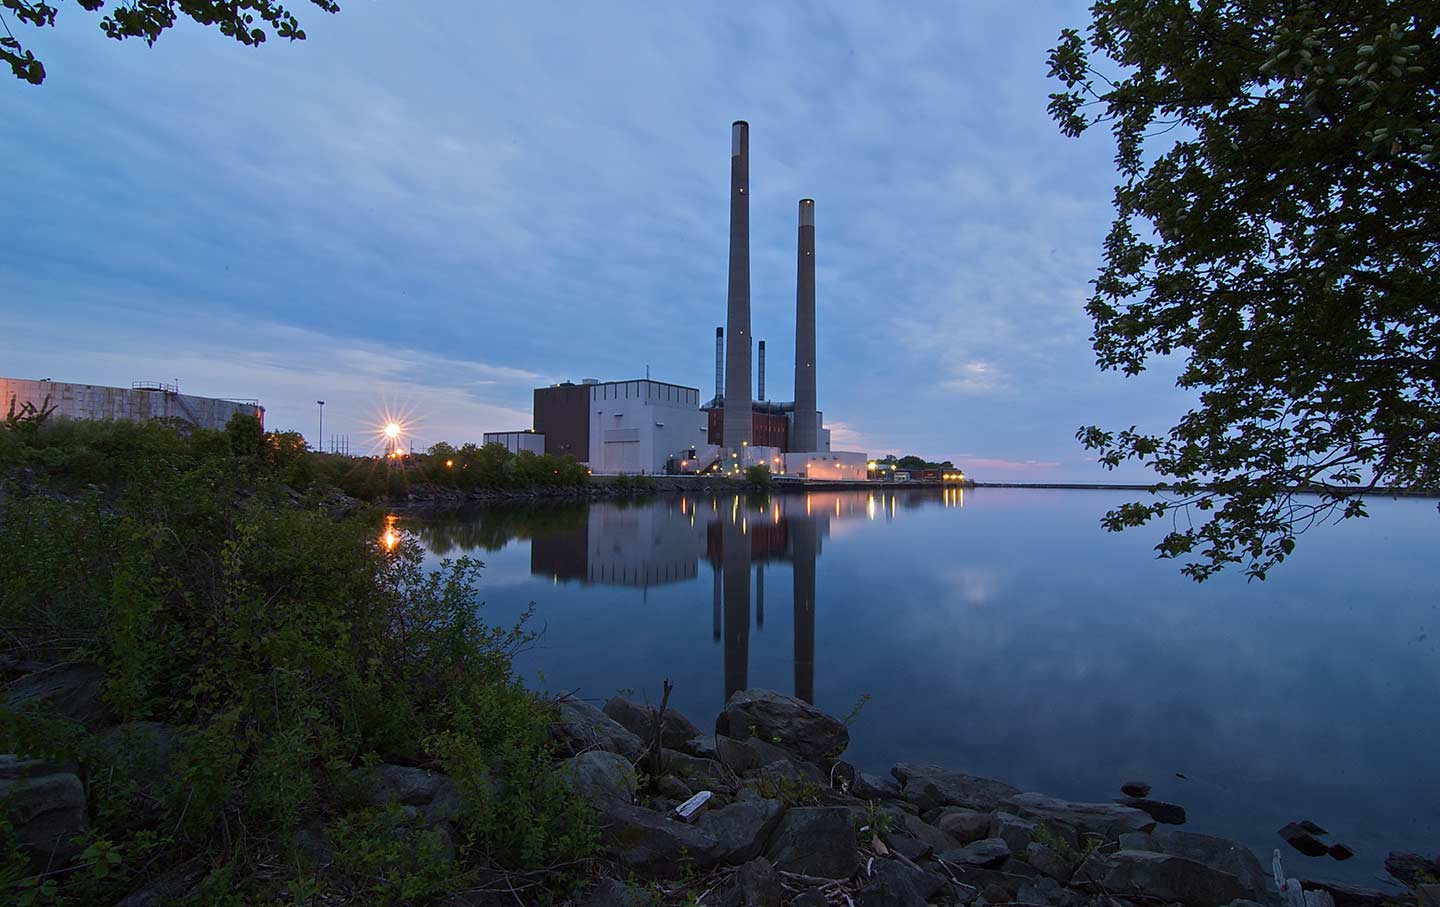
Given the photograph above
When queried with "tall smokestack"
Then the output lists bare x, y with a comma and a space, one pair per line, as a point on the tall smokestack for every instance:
736, 431
760, 388
719, 363
807, 434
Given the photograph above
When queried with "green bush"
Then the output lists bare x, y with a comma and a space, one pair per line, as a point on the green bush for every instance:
291, 646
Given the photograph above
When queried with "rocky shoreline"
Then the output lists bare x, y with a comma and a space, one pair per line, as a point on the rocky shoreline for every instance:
772, 816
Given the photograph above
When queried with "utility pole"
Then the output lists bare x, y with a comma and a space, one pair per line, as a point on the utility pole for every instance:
320, 438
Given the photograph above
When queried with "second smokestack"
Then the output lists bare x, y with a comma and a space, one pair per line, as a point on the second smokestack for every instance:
760, 386
719, 365
737, 421
807, 429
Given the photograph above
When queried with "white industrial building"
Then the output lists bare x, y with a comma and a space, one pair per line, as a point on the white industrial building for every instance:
516, 441
636, 427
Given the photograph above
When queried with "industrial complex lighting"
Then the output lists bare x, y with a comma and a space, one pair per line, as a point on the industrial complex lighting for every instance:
392, 429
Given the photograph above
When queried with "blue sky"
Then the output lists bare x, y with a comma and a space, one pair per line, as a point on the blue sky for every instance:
436, 207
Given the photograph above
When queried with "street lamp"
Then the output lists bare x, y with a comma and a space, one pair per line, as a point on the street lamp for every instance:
320, 442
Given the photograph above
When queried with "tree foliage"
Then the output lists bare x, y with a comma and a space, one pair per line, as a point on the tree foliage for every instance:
1276, 224
289, 650
243, 20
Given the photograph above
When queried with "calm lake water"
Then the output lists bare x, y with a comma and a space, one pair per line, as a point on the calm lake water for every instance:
1003, 633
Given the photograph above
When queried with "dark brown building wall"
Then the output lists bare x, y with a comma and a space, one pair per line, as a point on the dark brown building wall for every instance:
767, 429
562, 414
564, 555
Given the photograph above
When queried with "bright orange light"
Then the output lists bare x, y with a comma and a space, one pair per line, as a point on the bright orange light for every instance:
449, 464
390, 538
392, 429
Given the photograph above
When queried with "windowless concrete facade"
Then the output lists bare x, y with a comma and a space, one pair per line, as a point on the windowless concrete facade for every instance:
638, 426
139, 403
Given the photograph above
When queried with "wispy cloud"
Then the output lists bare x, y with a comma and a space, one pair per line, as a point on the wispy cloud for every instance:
996, 464
539, 199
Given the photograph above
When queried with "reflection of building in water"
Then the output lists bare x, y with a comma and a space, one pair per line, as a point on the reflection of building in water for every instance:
664, 541
624, 546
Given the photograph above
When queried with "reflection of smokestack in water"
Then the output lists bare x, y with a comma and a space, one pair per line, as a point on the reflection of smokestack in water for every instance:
760, 387
737, 314
719, 364
759, 596
804, 533
807, 430
716, 571
735, 562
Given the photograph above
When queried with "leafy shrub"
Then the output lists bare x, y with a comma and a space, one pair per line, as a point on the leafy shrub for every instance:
292, 647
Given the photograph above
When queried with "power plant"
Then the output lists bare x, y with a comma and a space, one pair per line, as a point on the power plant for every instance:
645, 426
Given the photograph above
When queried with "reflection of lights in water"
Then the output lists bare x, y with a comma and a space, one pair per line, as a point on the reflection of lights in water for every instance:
837, 506
390, 538
870, 506
734, 509
807, 505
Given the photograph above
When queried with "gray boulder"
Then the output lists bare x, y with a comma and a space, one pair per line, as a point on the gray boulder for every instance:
69, 691
1049, 862
1300, 836
45, 803
988, 852
741, 829
312, 846
615, 893
756, 885
785, 721
429, 796
602, 779
650, 844
897, 885
966, 826
788, 779
1108, 819
672, 788
1135, 789
1159, 810
816, 841
639, 720
579, 726
1017, 833
702, 746
899, 876
1217, 853
811, 898
167, 888
1354, 895
875, 787
1158, 875
931, 787
903, 824
697, 773
139, 756
1411, 868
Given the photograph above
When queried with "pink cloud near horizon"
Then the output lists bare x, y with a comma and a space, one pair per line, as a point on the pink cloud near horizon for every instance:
973, 464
